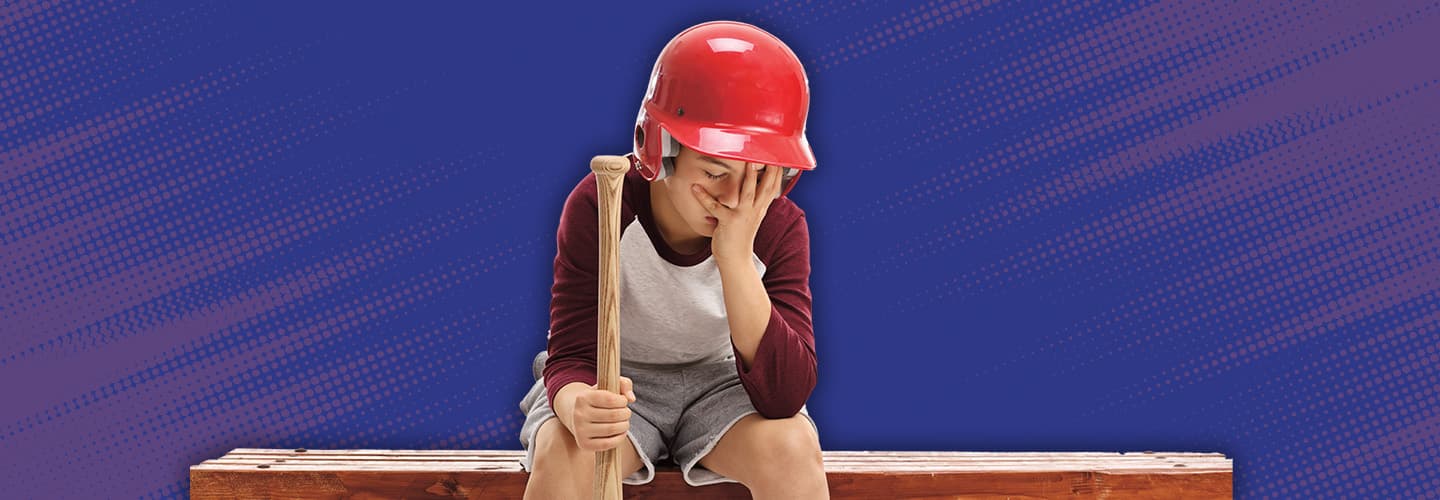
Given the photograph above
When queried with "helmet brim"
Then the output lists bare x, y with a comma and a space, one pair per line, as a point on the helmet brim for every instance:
757, 146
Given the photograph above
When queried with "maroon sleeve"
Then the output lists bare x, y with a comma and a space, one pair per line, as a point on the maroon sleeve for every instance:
782, 374
574, 296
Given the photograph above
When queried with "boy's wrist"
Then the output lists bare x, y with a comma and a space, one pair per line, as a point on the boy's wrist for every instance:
726, 261
564, 403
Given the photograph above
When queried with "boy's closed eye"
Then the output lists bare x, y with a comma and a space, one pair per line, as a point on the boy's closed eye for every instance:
759, 173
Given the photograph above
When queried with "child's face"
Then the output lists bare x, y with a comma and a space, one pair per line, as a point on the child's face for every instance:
720, 177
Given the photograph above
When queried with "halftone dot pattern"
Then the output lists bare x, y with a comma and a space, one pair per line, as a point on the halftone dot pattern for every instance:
970, 49
1053, 146
32, 30
234, 392
97, 132
1197, 226
71, 342
1334, 371
1140, 310
897, 28
1076, 238
135, 45
1346, 363
1381, 436
308, 413
288, 292
1231, 100
787, 14
1087, 129
169, 269
294, 294
137, 204
1171, 209
98, 201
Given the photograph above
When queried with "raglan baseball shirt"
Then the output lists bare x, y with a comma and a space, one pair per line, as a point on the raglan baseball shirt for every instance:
672, 305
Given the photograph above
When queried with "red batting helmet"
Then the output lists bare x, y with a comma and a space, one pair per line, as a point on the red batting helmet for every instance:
729, 90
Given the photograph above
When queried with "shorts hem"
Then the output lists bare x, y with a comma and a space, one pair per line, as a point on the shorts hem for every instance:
687, 470
528, 462
718, 479
649, 467
648, 471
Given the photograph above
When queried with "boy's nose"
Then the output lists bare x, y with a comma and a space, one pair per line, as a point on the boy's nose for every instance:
732, 195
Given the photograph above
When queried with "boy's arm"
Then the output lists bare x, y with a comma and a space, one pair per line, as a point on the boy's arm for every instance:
770, 325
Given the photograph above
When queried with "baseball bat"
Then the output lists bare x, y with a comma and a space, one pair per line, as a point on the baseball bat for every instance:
609, 176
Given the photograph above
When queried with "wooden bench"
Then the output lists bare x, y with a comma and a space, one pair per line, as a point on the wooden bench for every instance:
267, 473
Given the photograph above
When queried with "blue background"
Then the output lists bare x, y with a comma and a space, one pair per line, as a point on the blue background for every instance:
1194, 226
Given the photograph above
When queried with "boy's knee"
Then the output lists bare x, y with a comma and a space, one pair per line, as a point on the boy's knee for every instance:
797, 447
557, 445
558, 461
793, 451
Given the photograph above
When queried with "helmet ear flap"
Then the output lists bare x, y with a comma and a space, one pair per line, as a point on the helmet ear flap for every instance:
667, 168
669, 149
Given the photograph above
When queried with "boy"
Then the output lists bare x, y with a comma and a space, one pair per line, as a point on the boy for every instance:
717, 349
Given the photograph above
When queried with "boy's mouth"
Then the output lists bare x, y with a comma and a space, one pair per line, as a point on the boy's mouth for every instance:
711, 220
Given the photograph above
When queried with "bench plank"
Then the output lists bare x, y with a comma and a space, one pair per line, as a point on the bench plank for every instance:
300, 474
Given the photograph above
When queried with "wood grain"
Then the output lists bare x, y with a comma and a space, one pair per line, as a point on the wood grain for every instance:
610, 179
269, 473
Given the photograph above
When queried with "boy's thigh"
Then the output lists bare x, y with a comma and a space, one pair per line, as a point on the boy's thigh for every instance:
554, 436
554, 439
542, 433
722, 404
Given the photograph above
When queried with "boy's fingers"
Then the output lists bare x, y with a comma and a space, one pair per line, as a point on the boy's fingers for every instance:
762, 179
610, 415
747, 187
613, 400
766, 179
608, 399
611, 428
609, 442
710, 204
627, 387
707, 202
777, 178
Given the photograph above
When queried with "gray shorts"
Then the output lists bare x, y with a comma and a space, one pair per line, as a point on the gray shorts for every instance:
679, 414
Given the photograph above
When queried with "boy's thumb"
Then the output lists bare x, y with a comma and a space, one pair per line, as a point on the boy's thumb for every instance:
627, 388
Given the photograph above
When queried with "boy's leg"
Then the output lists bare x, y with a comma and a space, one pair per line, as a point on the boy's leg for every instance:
561, 469
774, 458
555, 462
721, 438
645, 443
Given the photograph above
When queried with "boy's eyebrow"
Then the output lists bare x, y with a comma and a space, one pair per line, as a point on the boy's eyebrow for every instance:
715, 161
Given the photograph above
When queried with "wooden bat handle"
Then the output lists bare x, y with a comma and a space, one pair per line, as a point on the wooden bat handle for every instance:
609, 177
